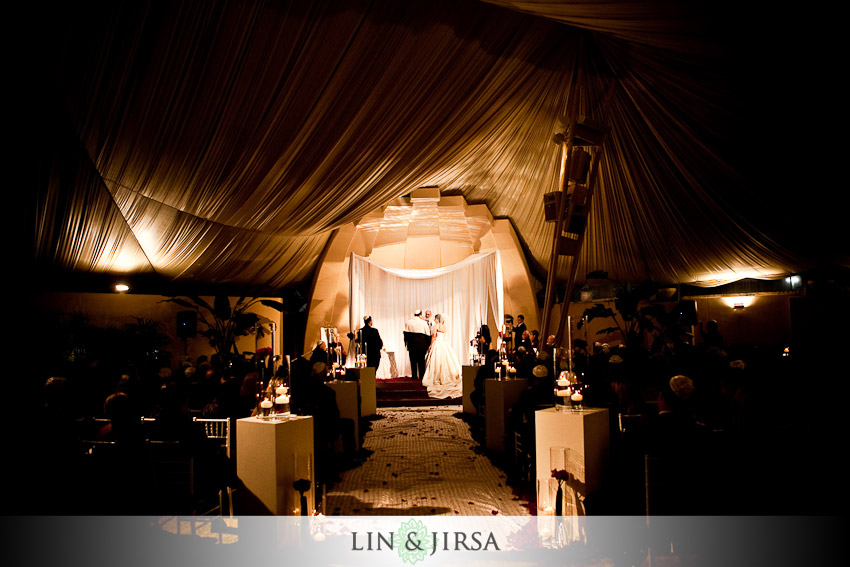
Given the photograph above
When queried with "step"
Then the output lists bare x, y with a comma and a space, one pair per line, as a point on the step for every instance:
400, 392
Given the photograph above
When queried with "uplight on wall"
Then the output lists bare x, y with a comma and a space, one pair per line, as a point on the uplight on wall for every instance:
739, 301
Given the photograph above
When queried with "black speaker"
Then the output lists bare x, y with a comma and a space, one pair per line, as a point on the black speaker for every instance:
688, 312
187, 324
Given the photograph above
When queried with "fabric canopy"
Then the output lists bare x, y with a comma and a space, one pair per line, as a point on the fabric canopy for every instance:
467, 294
221, 142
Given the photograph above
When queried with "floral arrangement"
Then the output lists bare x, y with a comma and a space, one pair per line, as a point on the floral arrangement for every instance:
263, 352
560, 475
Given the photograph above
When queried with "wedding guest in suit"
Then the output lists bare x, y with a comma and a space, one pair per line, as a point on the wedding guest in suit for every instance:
370, 342
519, 329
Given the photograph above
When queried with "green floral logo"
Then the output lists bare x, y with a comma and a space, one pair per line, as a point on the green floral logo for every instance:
412, 541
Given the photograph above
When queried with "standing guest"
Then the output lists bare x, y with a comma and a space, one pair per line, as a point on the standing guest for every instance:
371, 343
428, 319
519, 329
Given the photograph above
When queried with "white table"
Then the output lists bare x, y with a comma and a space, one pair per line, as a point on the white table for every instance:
468, 376
346, 401
499, 397
266, 463
585, 433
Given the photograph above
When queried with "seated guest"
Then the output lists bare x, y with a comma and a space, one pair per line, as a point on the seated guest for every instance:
248, 392
524, 341
539, 394
534, 335
320, 354
124, 421
336, 351
484, 340
549, 347
486, 371
674, 431
319, 400
174, 422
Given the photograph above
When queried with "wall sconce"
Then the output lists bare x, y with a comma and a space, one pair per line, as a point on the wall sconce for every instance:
739, 301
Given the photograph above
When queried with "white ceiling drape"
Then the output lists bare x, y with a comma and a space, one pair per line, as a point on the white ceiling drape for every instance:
467, 293
221, 142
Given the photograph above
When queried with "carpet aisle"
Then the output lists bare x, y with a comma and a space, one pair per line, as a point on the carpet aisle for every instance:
423, 462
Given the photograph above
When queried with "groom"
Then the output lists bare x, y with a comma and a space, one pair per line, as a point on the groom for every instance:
417, 337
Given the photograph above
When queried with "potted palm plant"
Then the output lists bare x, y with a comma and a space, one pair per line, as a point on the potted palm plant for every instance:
225, 322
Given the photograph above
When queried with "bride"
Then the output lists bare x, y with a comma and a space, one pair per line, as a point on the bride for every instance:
442, 369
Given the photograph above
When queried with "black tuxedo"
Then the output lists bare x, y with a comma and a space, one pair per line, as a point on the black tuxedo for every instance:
518, 331
371, 345
417, 347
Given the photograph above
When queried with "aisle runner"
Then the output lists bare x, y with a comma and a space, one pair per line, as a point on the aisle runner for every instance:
423, 464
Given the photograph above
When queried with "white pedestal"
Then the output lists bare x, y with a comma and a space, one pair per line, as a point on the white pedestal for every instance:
585, 433
468, 376
368, 393
499, 397
265, 463
346, 401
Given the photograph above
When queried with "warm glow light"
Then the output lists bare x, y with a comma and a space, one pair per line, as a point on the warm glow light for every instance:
121, 288
739, 301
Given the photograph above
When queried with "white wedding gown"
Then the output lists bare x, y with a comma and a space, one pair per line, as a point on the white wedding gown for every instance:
442, 370
384, 371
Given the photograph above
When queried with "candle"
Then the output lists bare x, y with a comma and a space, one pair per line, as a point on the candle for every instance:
266, 407
563, 382
281, 400
281, 390
548, 511
562, 393
577, 397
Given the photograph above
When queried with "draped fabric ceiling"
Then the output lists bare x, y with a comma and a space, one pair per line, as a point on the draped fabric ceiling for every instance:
222, 142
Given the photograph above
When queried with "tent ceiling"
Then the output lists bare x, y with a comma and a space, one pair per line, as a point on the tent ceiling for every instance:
212, 142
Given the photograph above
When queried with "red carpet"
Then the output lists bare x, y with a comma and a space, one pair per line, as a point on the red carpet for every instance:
401, 392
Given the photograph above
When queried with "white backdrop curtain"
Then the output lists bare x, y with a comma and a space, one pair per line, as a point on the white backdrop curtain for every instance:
465, 293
